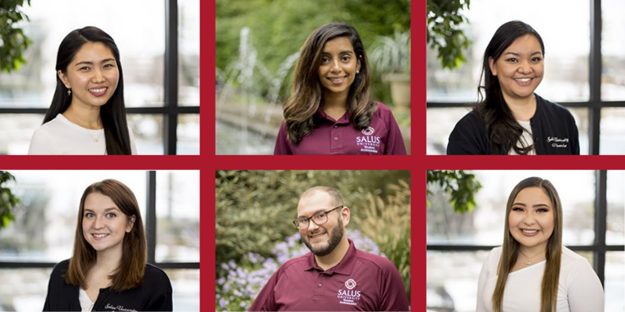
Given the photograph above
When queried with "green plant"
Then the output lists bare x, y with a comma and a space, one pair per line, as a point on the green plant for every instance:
444, 20
8, 201
13, 42
391, 54
460, 185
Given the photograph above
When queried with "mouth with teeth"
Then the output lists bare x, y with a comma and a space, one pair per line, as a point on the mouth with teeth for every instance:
99, 236
337, 80
316, 236
98, 92
529, 232
523, 81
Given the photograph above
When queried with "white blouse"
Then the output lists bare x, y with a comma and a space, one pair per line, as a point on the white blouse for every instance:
85, 302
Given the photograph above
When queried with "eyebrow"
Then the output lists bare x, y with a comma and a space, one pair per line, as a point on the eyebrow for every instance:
518, 54
91, 63
105, 210
317, 211
342, 52
537, 205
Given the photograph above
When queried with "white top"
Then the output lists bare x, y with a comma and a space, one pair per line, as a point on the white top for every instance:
526, 138
60, 136
85, 302
579, 289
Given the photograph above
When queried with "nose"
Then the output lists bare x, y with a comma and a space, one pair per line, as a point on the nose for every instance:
529, 219
97, 76
524, 67
97, 223
336, 67
313, 225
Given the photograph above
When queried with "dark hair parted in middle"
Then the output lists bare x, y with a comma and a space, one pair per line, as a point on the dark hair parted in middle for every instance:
501, 128
113, 113
307, 92
130, 272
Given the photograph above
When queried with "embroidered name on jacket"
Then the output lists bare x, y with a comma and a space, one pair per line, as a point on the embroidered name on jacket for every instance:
118, 308
558, 142
369, 142
349, 296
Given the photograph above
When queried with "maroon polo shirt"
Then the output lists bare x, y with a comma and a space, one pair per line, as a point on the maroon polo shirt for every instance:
360, 282
340, 137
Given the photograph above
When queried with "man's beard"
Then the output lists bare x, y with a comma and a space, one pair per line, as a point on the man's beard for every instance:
335, 238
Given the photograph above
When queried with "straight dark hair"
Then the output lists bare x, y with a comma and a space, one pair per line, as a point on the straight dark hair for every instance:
113, 113
502, 129
131, 268
307, 92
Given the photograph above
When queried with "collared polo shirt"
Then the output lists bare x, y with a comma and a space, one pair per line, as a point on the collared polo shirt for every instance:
360, 282
340, 137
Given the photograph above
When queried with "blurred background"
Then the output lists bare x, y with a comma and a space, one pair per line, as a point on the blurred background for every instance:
585, 75
42, 229
465, 220
254, 234
161, 76
258, 43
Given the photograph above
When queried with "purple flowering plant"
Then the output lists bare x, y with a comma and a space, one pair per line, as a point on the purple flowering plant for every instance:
237, 290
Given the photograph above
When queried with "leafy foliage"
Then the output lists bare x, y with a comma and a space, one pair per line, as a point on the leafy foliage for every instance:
392, 54
13, 42
444, 33
8, 201
460, 185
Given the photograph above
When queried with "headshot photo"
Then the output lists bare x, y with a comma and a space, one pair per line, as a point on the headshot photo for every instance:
111, 83
312, 246
92, 240
522, 81
529, 240
338, 83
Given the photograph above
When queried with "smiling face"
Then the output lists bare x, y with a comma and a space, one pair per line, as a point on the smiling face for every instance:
338, 68
92, 75
531, 218
103, 223
519, 69
322, 239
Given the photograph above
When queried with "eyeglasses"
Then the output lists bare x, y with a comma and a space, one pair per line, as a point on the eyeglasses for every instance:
318, 218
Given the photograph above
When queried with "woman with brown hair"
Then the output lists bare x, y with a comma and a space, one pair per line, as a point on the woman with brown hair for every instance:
108, 269
533, 271
330, 110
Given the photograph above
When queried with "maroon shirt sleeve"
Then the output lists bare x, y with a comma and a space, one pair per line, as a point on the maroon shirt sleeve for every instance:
394, 141
393, 292
282, 143
265, 301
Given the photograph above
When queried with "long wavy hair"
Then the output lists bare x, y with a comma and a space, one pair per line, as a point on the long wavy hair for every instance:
502, 129
553, 254
113, 113
307, 92
131, 268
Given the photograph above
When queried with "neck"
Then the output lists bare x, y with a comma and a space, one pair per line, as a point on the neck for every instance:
534, 252
333, 100
85, 116
331, 260
523, 109
108, 260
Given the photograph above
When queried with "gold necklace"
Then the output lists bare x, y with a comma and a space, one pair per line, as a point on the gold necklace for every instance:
529, 259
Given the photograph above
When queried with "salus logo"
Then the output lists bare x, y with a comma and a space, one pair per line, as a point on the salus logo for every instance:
349, 296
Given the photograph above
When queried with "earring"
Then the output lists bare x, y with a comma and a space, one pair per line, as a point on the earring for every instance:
69, 92
358, 72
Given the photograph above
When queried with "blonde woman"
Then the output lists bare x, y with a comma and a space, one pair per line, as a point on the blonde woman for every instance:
532, 271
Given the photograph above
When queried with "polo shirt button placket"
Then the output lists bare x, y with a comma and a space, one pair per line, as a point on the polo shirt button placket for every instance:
319, 285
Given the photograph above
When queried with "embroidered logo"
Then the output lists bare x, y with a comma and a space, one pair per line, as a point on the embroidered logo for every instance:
369, 143
118, 308
558, 142
368, 131
349, 296
350, 284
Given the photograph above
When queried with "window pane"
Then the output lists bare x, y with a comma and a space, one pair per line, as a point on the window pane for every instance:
189, 52
612, 47
614, 281
441, 121
141, 48
612, 130
45, 218
485, 224
186, 285
178, 216
148, 131
188, 134
16, 130
23, 289
616, 211
566, 69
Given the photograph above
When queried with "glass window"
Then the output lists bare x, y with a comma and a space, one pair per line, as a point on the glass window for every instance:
616, 208
612, 136
45, 219
189, 52
178, 216
566, 69
188, 142
141, 42
16, 130
148, 132
186, 285
485, 224
614, 285
23, 289
612, 47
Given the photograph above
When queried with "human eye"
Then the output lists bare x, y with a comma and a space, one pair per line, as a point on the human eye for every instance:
346, 58
537, 59
89, 215
542, 210
325, 60
111, 215
109, 65
84, 68
517, 209
320, 216
512, 60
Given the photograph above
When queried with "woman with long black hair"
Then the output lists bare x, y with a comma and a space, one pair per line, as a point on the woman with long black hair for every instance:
330, 110
88, 114
511, 119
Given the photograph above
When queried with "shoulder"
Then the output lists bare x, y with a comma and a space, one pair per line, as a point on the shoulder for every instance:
295, 263
156, 276
61, 267
471, 120
375, 262
383, 112
552, 109
493, 257
572, 261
